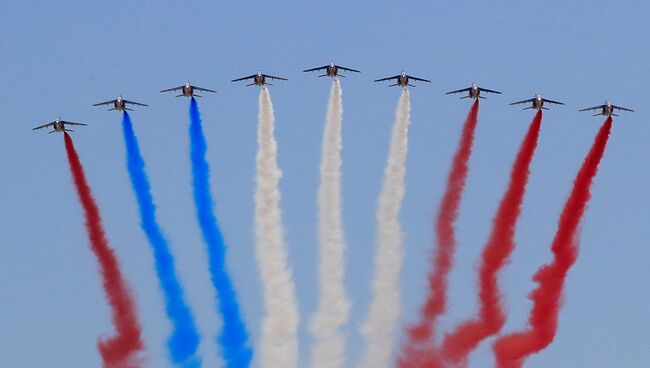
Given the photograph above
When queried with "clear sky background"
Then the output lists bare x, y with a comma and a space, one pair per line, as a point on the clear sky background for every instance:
57, 58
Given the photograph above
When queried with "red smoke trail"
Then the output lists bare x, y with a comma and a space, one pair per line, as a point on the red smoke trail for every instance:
512, 350
420, 337
118, 351
458, 344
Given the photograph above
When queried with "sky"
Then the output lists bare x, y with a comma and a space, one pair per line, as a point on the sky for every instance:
60, 57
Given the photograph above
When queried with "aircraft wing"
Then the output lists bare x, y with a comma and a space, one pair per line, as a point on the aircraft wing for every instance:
244, 78
316, 69
172, 89
553, 102
622, 108
489, 90
593, 108
523, 101
387, 79
348, 69
134, 103
203, 89
419, 79
105, 103
274, 77
459, 91
72, 123
43, 126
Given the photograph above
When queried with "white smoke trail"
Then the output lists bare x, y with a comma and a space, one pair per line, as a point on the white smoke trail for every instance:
279, 343
380, 326
334, 308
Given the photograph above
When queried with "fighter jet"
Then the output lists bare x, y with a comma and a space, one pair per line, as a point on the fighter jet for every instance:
59, 125
332, 70
259, 79
473, 92
402, 79
607, 109
537, 103
188, 90
120, 104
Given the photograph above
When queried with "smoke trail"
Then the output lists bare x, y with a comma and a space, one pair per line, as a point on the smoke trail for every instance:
379, 328
184, 340
334, 308
279, 342
513, 349
121, 350
234, 337
458, 344
417, 351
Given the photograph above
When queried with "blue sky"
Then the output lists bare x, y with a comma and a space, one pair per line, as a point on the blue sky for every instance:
60, 57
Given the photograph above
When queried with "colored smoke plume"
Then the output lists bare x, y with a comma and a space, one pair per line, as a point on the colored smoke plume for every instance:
279, 340
512, 350
418, 349
123, 349
334, 307
184, 340
384, 311
233, 338
458, 344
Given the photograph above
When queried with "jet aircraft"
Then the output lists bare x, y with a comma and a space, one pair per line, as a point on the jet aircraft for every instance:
259, 79
402, 79
332, 70
188, 90
473, 92
607, 109
58, 125
537, 102
120, 104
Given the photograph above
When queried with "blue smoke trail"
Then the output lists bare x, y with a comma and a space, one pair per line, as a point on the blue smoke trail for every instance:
234, 337
184, 341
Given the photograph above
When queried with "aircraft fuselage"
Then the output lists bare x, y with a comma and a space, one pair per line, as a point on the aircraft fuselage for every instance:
259, 80
474, 92
119, 104
332, 71
188, 91
608, 110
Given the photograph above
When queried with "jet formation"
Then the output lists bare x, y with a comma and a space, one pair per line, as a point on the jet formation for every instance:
335, 71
